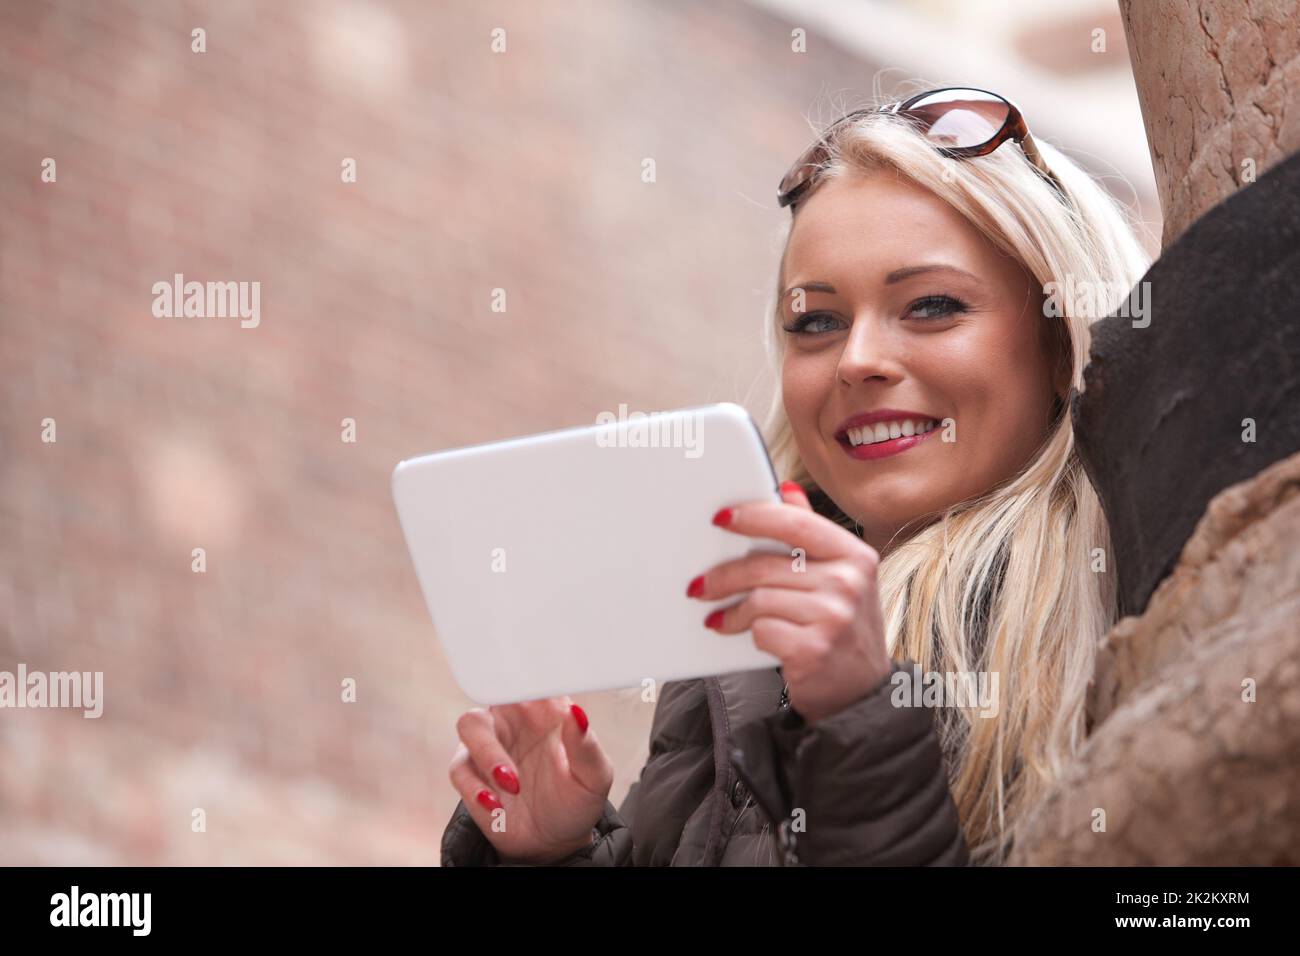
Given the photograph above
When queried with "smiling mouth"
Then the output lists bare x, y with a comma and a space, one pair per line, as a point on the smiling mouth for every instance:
870, 442
886, 431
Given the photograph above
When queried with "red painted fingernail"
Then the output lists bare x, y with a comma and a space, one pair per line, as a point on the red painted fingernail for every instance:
696, 587
506, 777
488, 799
714, 620
788, 486
580, 716
723, 517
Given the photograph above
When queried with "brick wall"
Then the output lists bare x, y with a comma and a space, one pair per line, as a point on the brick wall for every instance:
475, 171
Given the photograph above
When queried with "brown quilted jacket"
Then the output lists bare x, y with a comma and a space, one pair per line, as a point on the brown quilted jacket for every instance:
733, 779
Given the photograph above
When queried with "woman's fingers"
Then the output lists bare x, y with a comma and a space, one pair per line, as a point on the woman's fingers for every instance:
848, 579
798, 527
588, 763
487, 733
781, 639
792, 493
478, 797
478, 733
796, 607
760, 569
518, 725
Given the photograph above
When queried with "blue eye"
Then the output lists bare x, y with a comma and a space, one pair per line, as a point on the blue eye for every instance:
937, 307
811, 323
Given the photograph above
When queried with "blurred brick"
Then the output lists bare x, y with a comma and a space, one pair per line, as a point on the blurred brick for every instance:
475, 171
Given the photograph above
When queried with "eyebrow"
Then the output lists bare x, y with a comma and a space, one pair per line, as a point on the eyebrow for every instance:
898, 275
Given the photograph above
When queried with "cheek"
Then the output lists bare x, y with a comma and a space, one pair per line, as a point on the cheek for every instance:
806, 380
998, 386
803, 385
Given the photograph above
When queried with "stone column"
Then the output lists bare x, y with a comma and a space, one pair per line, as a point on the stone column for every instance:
1215, 79
1189, 427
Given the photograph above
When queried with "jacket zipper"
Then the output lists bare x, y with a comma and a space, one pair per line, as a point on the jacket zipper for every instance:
784, 835
785, 838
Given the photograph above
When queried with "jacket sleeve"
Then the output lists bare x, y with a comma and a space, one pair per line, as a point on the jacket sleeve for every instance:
870, 781
463, 843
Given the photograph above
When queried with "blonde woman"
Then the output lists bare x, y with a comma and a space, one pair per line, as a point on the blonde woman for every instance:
948, 531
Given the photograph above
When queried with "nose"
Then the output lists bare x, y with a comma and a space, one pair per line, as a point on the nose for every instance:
870, 352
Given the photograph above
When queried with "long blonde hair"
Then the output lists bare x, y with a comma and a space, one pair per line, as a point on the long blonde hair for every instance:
1009, 582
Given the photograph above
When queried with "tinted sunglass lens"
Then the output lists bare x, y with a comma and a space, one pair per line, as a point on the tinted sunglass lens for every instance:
959, 119
799, 173
806, 166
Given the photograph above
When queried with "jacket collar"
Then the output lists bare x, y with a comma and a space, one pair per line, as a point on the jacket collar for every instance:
749, 695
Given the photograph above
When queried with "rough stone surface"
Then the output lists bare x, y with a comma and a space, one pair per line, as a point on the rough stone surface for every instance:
1194, 748
1218, 82
1187, 770
1161, 420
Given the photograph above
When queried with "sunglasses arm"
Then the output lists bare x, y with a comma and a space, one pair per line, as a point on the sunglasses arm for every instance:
1031, 151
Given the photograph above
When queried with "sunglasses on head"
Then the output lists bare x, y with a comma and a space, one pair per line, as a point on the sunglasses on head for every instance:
960, 121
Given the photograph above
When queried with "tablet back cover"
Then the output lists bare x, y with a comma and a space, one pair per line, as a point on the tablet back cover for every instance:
558, 563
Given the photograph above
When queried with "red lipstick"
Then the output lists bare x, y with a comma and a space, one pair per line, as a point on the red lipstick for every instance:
882, 449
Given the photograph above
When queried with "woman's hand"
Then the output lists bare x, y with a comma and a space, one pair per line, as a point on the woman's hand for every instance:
823, 622
549, 777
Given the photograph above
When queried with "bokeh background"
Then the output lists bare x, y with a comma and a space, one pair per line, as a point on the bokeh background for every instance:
476, 170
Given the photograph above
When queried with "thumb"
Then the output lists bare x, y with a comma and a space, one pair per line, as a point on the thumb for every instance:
792, 493
587, 760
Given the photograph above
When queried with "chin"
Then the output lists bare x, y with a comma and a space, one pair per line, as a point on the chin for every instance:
880, 506
885, 519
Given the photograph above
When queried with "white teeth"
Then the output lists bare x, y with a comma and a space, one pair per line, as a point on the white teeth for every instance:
884, 431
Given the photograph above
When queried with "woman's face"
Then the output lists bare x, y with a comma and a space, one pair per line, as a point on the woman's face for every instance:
909, 310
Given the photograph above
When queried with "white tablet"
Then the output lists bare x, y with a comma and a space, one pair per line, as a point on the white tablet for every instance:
558, 563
